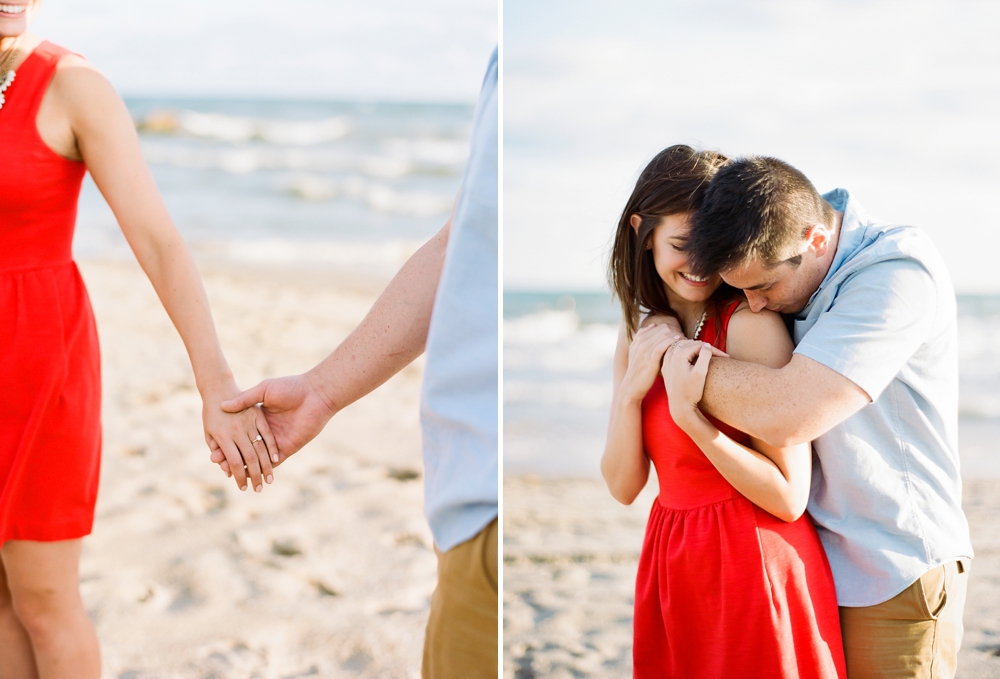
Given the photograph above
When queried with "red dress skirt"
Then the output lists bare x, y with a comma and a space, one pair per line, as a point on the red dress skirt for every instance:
50, 384
724, 589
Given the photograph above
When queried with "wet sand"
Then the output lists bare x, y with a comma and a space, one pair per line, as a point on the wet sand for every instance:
570, 558
327, 573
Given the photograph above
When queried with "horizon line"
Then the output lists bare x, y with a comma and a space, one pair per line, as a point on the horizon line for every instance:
324, 99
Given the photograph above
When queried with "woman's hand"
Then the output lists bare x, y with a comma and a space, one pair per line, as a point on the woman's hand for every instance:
294, 408
645, 355
244, 438
669, 322
685, 368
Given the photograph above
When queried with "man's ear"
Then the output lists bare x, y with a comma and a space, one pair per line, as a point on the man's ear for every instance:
818, 239
636, 221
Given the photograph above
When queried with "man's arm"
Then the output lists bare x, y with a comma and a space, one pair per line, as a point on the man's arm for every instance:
392, 334
785, 406
880, 317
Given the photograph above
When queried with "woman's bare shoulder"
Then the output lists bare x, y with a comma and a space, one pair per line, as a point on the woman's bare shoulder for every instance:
77, 76
30, 43
85, 96
74, 60
758, 337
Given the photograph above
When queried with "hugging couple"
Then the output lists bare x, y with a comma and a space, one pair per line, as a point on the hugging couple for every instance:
789, 366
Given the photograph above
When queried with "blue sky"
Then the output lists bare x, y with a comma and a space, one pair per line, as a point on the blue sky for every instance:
896, 100
399, 50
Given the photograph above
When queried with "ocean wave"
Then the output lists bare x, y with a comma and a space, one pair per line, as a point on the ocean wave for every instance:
544, 327
378, 197
247, 159
244, 160
577, 393
228, 128
428, 150
385, 256
980, 410
556, 342
576, 358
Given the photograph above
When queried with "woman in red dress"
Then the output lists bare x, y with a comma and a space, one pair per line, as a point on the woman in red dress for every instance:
732, 579
59, 118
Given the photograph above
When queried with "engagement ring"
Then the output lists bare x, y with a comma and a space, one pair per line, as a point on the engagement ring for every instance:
259, 438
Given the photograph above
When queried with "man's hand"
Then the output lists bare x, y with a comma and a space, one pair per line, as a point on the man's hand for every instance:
389, 338
296, 413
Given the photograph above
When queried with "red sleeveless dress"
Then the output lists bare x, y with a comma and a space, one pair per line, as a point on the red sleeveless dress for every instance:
724, 589
50, 384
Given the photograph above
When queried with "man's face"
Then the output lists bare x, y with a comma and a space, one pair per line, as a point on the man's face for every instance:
783, 288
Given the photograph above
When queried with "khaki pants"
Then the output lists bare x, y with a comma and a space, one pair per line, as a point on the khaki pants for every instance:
461, 640
917, 633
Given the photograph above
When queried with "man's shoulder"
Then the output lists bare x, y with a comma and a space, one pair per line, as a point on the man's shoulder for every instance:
866, 241
896, 266
894, 263
885, 245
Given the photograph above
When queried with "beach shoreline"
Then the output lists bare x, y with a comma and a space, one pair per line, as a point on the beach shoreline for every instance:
570, 558
328, 572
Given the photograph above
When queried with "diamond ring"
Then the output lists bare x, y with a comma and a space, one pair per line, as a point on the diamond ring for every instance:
259, 438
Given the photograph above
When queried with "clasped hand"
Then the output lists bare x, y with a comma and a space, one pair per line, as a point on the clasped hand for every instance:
685, 367
243, 438
652, 351
292, 410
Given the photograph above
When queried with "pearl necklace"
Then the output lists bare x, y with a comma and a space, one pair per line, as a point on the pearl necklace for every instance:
4, 85
701, 322
7, 74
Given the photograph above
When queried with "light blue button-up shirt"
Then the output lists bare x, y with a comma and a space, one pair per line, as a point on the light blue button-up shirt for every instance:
886, 490
460, 404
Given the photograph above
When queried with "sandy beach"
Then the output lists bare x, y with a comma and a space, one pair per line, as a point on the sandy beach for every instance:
570, 557
327, 573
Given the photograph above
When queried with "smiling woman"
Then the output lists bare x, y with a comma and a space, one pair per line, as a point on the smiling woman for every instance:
60, 119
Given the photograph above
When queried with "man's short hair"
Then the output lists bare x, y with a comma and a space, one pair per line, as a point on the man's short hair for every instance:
754, 208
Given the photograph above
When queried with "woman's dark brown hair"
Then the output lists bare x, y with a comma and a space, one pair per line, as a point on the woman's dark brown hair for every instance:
674, 182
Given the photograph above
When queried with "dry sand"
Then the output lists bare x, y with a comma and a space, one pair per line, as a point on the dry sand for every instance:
327, 573
570, 558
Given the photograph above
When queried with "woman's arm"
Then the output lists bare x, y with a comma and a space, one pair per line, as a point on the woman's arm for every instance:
106, 140
624, 465
775, 479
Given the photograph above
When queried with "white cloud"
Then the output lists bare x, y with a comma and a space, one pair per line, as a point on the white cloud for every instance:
897, 101
380, 49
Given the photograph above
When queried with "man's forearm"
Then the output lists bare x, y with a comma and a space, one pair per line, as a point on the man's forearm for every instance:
392, 334
784, 406
743, 395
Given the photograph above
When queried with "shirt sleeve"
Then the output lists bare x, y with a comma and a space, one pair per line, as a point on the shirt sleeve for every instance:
879, 318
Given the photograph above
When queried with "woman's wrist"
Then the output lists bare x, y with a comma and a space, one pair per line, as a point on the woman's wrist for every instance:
629, 398
692, 421
631, 394
217, 387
